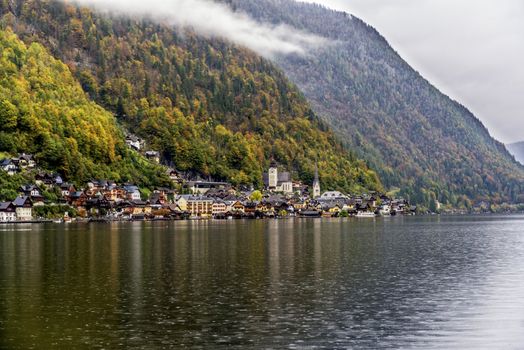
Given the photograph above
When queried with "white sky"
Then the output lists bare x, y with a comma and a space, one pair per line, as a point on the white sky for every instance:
473, 50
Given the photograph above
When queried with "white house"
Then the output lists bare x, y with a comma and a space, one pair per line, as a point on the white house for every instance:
132, 193
32, 192
24, 208
26, 161
67, 189
134, 142
333, 195
8, 166
7, 212
219, 208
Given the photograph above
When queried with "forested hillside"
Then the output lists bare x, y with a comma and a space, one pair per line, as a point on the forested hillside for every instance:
417, 138
43, 111
208, 106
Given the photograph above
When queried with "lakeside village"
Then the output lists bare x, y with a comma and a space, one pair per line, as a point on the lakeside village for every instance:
103, 200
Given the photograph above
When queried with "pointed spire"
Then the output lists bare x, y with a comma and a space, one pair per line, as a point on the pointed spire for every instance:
316, 183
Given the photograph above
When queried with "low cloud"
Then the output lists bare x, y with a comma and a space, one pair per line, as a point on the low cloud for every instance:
211, 19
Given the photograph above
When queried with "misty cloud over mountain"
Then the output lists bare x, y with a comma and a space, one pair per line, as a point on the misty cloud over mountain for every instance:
215, 20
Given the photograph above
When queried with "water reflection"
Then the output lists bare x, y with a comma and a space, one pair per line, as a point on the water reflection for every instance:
399, 282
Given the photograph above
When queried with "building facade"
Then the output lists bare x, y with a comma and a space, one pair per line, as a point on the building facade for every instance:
200, 206
24, 208
7, 212
277, 181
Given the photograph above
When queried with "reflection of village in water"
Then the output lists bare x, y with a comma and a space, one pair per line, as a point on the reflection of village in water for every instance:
145, 246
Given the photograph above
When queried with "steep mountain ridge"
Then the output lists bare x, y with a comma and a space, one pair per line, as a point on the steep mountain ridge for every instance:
210, 107
517, 150
417, 138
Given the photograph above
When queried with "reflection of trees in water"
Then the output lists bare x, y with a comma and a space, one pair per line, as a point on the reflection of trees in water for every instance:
370, 283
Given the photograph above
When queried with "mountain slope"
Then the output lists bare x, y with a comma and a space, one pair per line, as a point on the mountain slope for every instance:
517, 149
44, 111
416, 137
211, 108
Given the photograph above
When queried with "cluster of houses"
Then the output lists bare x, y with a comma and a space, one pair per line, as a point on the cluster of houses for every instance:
15, 165
107, 200
21, 209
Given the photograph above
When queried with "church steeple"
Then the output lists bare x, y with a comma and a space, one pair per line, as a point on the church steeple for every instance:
316, 184
272, 175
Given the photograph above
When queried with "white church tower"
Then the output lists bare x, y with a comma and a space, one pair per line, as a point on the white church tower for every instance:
273, 176
316, 184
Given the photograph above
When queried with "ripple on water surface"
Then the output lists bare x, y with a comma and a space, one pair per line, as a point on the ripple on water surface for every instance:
451, 282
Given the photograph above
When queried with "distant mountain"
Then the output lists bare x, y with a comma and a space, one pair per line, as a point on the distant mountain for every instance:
209, 107
517, 149
416, 137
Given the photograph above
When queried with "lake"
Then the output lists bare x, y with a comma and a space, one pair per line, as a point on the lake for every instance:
403, 282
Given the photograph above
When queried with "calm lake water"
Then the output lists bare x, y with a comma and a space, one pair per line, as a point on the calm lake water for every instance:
450, 282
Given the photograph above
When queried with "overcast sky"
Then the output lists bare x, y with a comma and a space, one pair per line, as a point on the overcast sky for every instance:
473, 50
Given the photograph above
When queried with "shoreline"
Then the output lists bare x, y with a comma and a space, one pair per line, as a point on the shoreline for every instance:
363, 219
